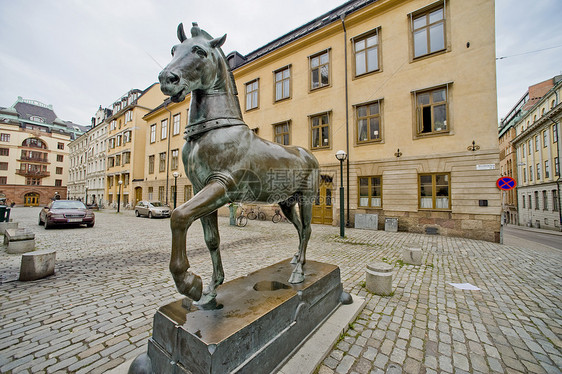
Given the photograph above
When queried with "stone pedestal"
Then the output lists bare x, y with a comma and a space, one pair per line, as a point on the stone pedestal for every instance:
7, 225
260, 320
37, 265
391, 224
412, 255
19, 241
379, 278
367, 221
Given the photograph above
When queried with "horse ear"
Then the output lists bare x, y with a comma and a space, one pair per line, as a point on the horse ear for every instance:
181, 33
218, 42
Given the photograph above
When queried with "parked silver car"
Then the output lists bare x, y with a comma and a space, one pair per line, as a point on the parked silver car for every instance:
152, 209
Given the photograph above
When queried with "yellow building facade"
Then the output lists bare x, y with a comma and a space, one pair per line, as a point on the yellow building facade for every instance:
126, 142
407, 89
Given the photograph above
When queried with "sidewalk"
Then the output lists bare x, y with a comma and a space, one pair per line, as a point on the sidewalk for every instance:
96, 312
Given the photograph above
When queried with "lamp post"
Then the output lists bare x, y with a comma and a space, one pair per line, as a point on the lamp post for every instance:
119, 196
176, 175
341, 156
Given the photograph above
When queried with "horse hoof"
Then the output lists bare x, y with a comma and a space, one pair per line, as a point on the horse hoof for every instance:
296, 278
207, 302
191, 285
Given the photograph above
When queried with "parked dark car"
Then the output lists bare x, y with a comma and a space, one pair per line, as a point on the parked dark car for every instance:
66, 212
152, 209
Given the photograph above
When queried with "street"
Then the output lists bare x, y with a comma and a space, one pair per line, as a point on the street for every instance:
516, 234
96, 312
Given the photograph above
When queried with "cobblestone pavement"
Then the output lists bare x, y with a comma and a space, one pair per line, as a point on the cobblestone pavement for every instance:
96, 312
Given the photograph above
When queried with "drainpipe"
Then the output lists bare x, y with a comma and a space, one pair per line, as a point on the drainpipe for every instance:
168, 135
342, 17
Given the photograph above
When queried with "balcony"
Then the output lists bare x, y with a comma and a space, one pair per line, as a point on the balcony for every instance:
33, 173
34, 159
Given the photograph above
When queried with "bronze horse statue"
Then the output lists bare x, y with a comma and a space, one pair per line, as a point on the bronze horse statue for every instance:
226, 161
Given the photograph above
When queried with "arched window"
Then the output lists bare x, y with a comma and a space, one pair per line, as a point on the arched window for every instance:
34, 143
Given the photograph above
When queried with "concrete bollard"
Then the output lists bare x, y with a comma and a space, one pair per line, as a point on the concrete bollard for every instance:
7, 225
412, 255
37, 265
19, 240
379, 278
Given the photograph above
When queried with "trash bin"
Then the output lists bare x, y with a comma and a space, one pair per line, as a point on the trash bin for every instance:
3, 210
8, 209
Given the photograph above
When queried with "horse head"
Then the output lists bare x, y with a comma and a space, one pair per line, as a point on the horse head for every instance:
197, 63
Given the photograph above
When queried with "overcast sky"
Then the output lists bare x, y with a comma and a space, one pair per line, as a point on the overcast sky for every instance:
79, 54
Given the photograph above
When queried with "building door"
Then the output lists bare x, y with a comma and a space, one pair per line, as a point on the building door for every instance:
322, 208
138, 194
31, 199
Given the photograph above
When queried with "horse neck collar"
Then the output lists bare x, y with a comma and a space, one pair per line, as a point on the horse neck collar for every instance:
194, 129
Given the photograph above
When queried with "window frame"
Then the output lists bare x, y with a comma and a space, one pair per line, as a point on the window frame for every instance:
255, 91
176, 129
174, 159
434, 191
320, 126
162, 162
311, 69
287, 133
426, 12
282, 81
370, 189
363, 37
379, 115
164, 129
151, 164
152, 133
418, 110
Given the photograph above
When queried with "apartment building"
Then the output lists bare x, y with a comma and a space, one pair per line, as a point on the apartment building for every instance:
126, 140
407, 89
34, 163
77, 154
538, 152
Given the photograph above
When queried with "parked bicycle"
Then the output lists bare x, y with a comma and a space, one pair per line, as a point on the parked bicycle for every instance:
242, 220
259, 214
278, 216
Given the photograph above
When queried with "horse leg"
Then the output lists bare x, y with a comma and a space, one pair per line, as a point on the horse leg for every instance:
305, 207
210, 198
212, 239
289, 210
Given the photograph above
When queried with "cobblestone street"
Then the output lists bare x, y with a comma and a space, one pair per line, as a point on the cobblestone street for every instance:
96, 311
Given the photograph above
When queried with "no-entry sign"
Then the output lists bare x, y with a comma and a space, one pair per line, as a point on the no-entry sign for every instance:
506, 183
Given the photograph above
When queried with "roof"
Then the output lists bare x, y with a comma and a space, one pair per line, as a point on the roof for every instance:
306, 29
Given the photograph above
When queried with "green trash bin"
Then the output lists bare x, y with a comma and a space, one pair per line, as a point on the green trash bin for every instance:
3, 210
8, 210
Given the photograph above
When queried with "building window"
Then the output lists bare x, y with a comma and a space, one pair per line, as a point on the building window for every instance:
60, 145
525, 175
60, 158
434, 191
177, 120
151, 164
111, 143
3, 166
118, 160
58, 170
4, 137
128, 116
523, 200
556, 167
546, 169
555, 133
531, 173
152, 133
431, 108
30, 181
3, 180
370, 192
164, 128
428, 32
162, 166
530, 200
530, 147
320, 70
320, 131
283, 83
187, 193
536, 200
544, 200
252, 94
366, 50
150, 193
110, 162
161, 193
545, 138
126, 138
555, 201
537, 144
118, 140
4, 151
58, 182
175, 159
538, 172
282, 133
368, 122
126, 158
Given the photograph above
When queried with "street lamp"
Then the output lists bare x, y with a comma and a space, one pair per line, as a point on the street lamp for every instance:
119, 196
176, 175
341, 156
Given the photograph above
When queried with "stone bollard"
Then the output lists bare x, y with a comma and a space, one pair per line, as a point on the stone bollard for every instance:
7, 225
379, 278
19, 240
391, 224
37, 265
412, 255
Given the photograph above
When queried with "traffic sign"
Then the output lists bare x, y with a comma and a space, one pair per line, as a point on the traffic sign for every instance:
506, 183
